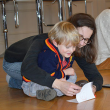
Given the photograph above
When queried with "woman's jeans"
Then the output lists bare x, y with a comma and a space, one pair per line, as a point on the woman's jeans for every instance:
14, 71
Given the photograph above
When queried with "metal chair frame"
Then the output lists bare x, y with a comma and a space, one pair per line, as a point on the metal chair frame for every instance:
40, 12
40, 17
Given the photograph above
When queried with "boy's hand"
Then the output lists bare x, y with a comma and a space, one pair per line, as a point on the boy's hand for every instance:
94, 89
69, 71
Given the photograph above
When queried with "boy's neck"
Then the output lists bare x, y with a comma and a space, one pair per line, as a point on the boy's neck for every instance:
64, 62
63, 58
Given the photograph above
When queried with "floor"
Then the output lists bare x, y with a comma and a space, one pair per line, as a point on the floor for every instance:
14, 99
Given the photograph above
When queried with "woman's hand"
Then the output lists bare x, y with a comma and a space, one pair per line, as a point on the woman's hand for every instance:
67, 88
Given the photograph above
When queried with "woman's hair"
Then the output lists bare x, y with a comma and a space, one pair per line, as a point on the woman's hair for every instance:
88, 51
64, 32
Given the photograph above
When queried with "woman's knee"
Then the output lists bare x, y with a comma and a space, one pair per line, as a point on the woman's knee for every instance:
13, 69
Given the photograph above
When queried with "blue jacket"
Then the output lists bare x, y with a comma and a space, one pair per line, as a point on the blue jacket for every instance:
50, 60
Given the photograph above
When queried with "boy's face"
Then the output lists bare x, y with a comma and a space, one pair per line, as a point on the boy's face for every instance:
66, 51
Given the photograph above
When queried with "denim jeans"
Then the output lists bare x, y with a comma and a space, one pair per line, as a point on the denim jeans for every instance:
14, 71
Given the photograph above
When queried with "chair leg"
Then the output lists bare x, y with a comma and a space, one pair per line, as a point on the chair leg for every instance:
70, 7
60, 13
5, 30
39, 15
85, 7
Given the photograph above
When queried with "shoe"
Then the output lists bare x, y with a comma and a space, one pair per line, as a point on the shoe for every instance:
46, 94
81, 83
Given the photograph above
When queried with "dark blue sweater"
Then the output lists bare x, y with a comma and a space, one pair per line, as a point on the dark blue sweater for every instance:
50, 60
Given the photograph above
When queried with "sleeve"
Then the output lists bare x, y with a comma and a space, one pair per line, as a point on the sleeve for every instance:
71, 61
48, 62
91, 72
17, 51
30, 69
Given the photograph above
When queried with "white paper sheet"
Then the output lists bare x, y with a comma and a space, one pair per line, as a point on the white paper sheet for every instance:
84, 95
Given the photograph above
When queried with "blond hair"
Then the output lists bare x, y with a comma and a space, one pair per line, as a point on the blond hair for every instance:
64, 32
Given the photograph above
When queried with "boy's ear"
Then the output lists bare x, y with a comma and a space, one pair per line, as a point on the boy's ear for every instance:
55, 43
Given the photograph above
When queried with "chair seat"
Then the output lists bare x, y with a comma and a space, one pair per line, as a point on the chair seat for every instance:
5, 0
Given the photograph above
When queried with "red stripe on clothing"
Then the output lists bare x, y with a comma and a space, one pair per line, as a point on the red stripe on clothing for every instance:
26, 80
54, 50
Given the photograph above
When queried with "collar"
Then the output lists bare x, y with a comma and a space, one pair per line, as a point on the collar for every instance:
55, 49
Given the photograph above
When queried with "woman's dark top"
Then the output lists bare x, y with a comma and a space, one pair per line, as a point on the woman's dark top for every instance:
27, 50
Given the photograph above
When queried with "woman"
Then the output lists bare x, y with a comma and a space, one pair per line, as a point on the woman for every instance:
26, 51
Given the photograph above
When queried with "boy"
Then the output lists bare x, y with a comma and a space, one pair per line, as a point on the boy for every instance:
55, 58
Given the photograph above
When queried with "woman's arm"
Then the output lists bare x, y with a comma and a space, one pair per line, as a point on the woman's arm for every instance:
91, 72
30, 69
67, 88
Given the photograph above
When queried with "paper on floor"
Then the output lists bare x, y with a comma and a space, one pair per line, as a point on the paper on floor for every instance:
84, 95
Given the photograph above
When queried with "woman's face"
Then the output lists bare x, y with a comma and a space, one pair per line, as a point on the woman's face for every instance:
86, 33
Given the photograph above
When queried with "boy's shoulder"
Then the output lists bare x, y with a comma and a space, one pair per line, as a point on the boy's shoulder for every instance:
48, 53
